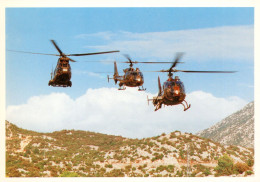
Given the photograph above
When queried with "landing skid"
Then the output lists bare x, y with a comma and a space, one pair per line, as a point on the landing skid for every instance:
60, 86
141, 89
122, 88
186, 107
158, 106
69, 84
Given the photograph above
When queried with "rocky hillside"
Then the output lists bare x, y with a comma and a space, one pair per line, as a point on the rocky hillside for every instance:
87, 154
236, 129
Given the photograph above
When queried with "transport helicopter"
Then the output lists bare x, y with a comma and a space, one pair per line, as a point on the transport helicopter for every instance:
132, 77
62, 73
173, 91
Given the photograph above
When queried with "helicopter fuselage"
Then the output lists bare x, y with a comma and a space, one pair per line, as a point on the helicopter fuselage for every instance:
62, 74
131, 79
172, 93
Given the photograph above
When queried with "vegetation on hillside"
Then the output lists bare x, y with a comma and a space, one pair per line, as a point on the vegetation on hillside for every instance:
72, 153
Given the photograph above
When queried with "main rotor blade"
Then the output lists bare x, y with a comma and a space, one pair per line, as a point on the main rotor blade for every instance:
72, 60
176, 61
152, 62
87, 54
128, 57
159, 86
189, 71
34, 53
56, 46
103, 72
157, 71
163, 71
135, 62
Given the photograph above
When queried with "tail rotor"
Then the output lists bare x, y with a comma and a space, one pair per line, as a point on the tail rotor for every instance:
159, 86
52, 72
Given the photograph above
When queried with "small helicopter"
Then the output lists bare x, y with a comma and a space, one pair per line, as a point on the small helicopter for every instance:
173, 91
132, 77
62, 73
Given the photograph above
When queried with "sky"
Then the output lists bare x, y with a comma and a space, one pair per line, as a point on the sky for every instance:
211, 38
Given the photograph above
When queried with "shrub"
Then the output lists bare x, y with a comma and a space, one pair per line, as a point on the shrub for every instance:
179, 173
173, 135
241, 167
206, 172
250, 162
199, 168
249, 172
170, 168
109, 165
181, 154
36, 151
69, 174
157, 156
225, 166
160, 168
12, 172
115, 173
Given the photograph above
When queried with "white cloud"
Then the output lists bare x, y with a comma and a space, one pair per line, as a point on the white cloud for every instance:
124, 113
230, 42
89, 73
103, 35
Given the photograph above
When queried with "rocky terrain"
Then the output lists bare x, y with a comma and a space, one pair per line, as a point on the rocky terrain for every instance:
236, 129
88, 154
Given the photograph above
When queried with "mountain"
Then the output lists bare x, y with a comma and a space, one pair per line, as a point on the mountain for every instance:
87, 154
236, 129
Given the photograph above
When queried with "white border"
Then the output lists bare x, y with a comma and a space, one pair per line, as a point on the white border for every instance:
123, 3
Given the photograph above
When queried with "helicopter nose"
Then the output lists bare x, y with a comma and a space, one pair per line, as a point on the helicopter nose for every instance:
169, 91
176, 92
138, 78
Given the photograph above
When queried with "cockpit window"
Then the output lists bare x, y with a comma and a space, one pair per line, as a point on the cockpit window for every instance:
131, 73
168, 84
141, 74
127, 73
179, 83
171, 84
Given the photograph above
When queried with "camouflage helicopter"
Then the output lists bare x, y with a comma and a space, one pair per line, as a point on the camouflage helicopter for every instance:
132, 77
62, 73
173, 91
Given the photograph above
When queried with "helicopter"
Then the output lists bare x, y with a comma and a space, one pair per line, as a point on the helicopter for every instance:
173, 91
132, 77
62, 73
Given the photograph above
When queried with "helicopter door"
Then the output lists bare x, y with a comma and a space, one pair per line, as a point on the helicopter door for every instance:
127, 74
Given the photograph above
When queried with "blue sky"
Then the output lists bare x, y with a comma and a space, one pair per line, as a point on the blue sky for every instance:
212, 39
